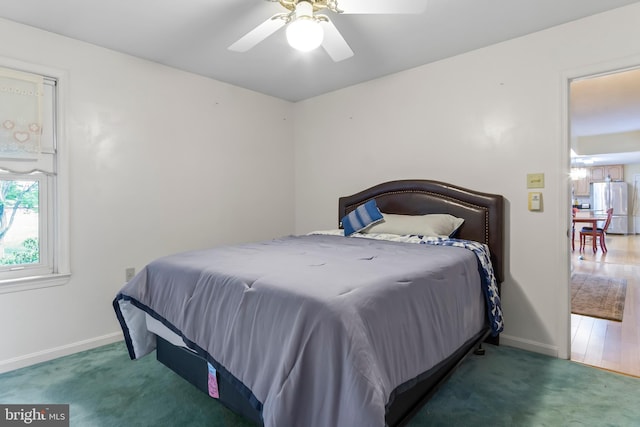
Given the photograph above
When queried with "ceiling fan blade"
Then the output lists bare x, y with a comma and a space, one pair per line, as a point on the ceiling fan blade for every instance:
258, 34
333, 42
383, 6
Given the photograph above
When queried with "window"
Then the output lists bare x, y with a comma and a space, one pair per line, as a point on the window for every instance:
20, 235
33, 183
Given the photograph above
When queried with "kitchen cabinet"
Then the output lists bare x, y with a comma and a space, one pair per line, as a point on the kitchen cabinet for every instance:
600, 173
616, 172
581, 186
597, 173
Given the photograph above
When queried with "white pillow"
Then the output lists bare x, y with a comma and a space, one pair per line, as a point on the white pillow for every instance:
433, 225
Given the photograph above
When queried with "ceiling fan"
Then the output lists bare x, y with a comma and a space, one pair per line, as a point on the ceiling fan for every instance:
307, 29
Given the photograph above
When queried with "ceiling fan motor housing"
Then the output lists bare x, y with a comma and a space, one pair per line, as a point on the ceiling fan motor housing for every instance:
316, 5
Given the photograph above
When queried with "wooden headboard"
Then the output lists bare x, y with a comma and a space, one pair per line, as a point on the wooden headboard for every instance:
483, 213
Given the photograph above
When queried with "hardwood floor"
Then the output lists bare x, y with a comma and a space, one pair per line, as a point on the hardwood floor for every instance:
604, 343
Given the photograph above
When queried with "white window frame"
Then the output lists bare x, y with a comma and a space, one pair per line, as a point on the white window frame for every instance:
54, 268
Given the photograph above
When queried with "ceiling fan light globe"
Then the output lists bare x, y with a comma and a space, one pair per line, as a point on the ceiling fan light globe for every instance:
304, 34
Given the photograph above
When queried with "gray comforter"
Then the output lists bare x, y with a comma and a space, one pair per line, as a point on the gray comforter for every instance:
321, 329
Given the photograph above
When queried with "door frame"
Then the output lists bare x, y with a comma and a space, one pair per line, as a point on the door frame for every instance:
588, 71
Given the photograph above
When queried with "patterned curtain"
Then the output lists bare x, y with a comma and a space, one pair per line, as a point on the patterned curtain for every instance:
20, 114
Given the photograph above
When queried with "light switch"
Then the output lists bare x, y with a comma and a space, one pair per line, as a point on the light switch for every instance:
535, 180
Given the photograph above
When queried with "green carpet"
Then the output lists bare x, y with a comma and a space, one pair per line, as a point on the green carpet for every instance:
506, 387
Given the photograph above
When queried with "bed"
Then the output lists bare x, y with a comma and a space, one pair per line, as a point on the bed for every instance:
322, 329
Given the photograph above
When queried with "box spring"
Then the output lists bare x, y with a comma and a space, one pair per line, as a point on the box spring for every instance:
193, 368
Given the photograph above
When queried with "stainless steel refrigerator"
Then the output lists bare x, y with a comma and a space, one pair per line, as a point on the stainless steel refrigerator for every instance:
605, 195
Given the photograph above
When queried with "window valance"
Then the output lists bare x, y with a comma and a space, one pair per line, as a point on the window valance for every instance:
21, 97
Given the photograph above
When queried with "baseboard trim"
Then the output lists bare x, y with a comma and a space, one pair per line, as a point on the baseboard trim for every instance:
54, 353
65, 350
529, 345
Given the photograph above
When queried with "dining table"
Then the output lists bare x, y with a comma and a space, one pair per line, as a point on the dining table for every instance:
591, 218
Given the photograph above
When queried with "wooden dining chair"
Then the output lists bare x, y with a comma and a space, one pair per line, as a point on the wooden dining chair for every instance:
600, 233
574, 211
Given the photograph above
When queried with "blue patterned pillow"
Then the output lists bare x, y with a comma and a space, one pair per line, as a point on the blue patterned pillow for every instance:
362, 217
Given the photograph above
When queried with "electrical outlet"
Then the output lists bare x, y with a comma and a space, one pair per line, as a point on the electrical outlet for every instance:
129, 273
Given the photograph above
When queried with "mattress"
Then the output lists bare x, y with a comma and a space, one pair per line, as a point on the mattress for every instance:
156, 327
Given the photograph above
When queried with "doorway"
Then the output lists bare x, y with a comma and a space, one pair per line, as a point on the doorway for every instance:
604, 135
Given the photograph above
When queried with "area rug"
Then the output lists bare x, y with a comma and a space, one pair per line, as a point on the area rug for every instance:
598, 296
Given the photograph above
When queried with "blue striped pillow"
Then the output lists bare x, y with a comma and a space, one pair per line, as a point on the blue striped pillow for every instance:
362, 217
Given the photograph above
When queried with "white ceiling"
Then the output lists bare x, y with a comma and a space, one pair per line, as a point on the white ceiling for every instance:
607, 159
193, 35
605, 105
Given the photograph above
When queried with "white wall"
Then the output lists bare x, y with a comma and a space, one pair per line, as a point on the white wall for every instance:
482, 120
161, 161
137, 131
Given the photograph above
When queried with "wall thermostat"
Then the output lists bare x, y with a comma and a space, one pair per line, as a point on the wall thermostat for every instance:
535, 201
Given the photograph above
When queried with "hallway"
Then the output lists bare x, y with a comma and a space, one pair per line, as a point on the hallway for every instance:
604, 343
